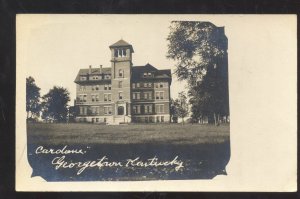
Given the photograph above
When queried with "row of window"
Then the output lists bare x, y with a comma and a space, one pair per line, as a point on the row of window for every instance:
97, 87
137, 109
120, 85
95, 77
150, 119
159, 95
95, 97
120, 52
148, 108
149, 85
94, 110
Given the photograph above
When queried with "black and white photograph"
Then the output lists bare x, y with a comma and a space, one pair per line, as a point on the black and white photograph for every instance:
139, 98
113, 103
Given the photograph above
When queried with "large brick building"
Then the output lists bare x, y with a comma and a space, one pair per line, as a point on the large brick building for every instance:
123, 93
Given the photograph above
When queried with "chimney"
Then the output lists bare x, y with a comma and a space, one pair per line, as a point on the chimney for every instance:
90, 69
100, 69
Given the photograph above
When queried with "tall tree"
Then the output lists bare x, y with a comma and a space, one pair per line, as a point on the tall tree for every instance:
200, 50
181, 105
174, 111
33, 106
55, 104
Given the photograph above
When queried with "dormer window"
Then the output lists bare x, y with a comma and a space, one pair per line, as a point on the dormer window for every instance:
147, 75
82, 78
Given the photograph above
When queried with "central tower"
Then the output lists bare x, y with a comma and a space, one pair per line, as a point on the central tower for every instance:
121, 66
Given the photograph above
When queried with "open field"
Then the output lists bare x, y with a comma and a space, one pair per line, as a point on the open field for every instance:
122, 134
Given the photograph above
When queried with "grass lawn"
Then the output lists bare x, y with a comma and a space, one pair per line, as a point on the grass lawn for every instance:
75, 133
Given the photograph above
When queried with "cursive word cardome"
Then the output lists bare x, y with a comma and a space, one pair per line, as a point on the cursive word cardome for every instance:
64, 151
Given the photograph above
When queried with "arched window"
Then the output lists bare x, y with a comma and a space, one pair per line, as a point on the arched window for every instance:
121, 73
120, 110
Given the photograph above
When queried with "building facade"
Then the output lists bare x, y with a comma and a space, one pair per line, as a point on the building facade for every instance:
123, 93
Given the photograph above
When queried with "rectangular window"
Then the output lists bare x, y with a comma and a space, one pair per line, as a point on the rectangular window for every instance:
151, 119
107, 110
120, 84
137, 109
137, 85
157, 119
120, 95
162, 118
159, 108
133, 85
124, 52
107, 97
97, 98
93, 98
82, 110
156, 95
107, 86
148, 108
116, 53
134, 109
82, 98
145, 74
161, 85
156, 85
159, 95
136, 95
148, 95
95, 110
82, 88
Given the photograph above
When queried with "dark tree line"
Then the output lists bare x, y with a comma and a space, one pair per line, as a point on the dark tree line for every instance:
53, 106
200, 50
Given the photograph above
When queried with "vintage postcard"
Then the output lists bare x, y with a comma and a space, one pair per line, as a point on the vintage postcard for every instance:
156, 102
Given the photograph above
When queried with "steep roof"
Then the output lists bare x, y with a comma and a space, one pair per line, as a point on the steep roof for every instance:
137, 72
94, 71
121, 43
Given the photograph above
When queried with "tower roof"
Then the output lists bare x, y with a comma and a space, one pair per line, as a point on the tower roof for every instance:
121, 43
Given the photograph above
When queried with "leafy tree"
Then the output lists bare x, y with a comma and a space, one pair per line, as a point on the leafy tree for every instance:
181, 105
73, 111
200, 50
33, 106
173, 111
55, 104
